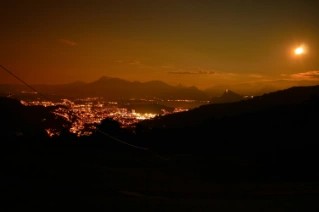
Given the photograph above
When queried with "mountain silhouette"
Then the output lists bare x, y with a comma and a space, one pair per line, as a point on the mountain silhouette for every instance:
116, 88
227, 97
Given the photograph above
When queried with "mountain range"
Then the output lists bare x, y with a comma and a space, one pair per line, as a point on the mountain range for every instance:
115, 88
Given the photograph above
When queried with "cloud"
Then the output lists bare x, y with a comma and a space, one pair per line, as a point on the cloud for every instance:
191, 72
135, 62
308, 76
68, 42
129, 62
119, 61
256, 76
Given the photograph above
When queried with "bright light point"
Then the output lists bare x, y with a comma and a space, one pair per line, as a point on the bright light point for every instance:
299, 51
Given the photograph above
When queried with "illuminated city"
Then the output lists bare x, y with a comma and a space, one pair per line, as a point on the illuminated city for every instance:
85, 114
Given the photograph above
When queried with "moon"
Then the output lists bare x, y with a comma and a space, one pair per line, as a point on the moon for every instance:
299, 51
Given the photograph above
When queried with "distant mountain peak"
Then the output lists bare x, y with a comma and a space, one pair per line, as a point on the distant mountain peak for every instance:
227, 97
230, 93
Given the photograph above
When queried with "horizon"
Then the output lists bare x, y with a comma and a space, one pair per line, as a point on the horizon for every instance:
242, 88
159, 105
240, 45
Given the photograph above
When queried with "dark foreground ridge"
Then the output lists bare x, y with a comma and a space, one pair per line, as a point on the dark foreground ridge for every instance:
255, 155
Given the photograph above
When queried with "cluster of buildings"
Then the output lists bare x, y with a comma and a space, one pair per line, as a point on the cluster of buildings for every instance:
85, 114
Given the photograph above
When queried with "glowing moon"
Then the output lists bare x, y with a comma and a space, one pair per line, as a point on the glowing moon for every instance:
299, 51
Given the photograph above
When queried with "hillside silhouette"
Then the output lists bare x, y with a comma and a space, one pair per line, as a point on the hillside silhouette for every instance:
289, 97
268, 137
21, 122
250, 153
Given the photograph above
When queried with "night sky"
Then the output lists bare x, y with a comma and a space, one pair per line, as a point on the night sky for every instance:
190, 42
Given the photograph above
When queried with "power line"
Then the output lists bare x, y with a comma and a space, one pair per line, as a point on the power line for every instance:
131, 145
100, 131
18, 78
121, 141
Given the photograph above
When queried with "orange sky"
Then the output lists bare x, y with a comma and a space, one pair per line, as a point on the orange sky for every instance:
241, 44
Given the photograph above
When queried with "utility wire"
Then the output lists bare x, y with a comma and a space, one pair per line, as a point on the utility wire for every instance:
18, 78
131, 145
121, 141
100, 131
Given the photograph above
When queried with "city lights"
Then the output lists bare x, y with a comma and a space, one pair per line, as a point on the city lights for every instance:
85, 114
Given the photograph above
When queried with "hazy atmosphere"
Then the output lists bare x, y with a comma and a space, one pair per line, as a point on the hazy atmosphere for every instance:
240, 44
159, 105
